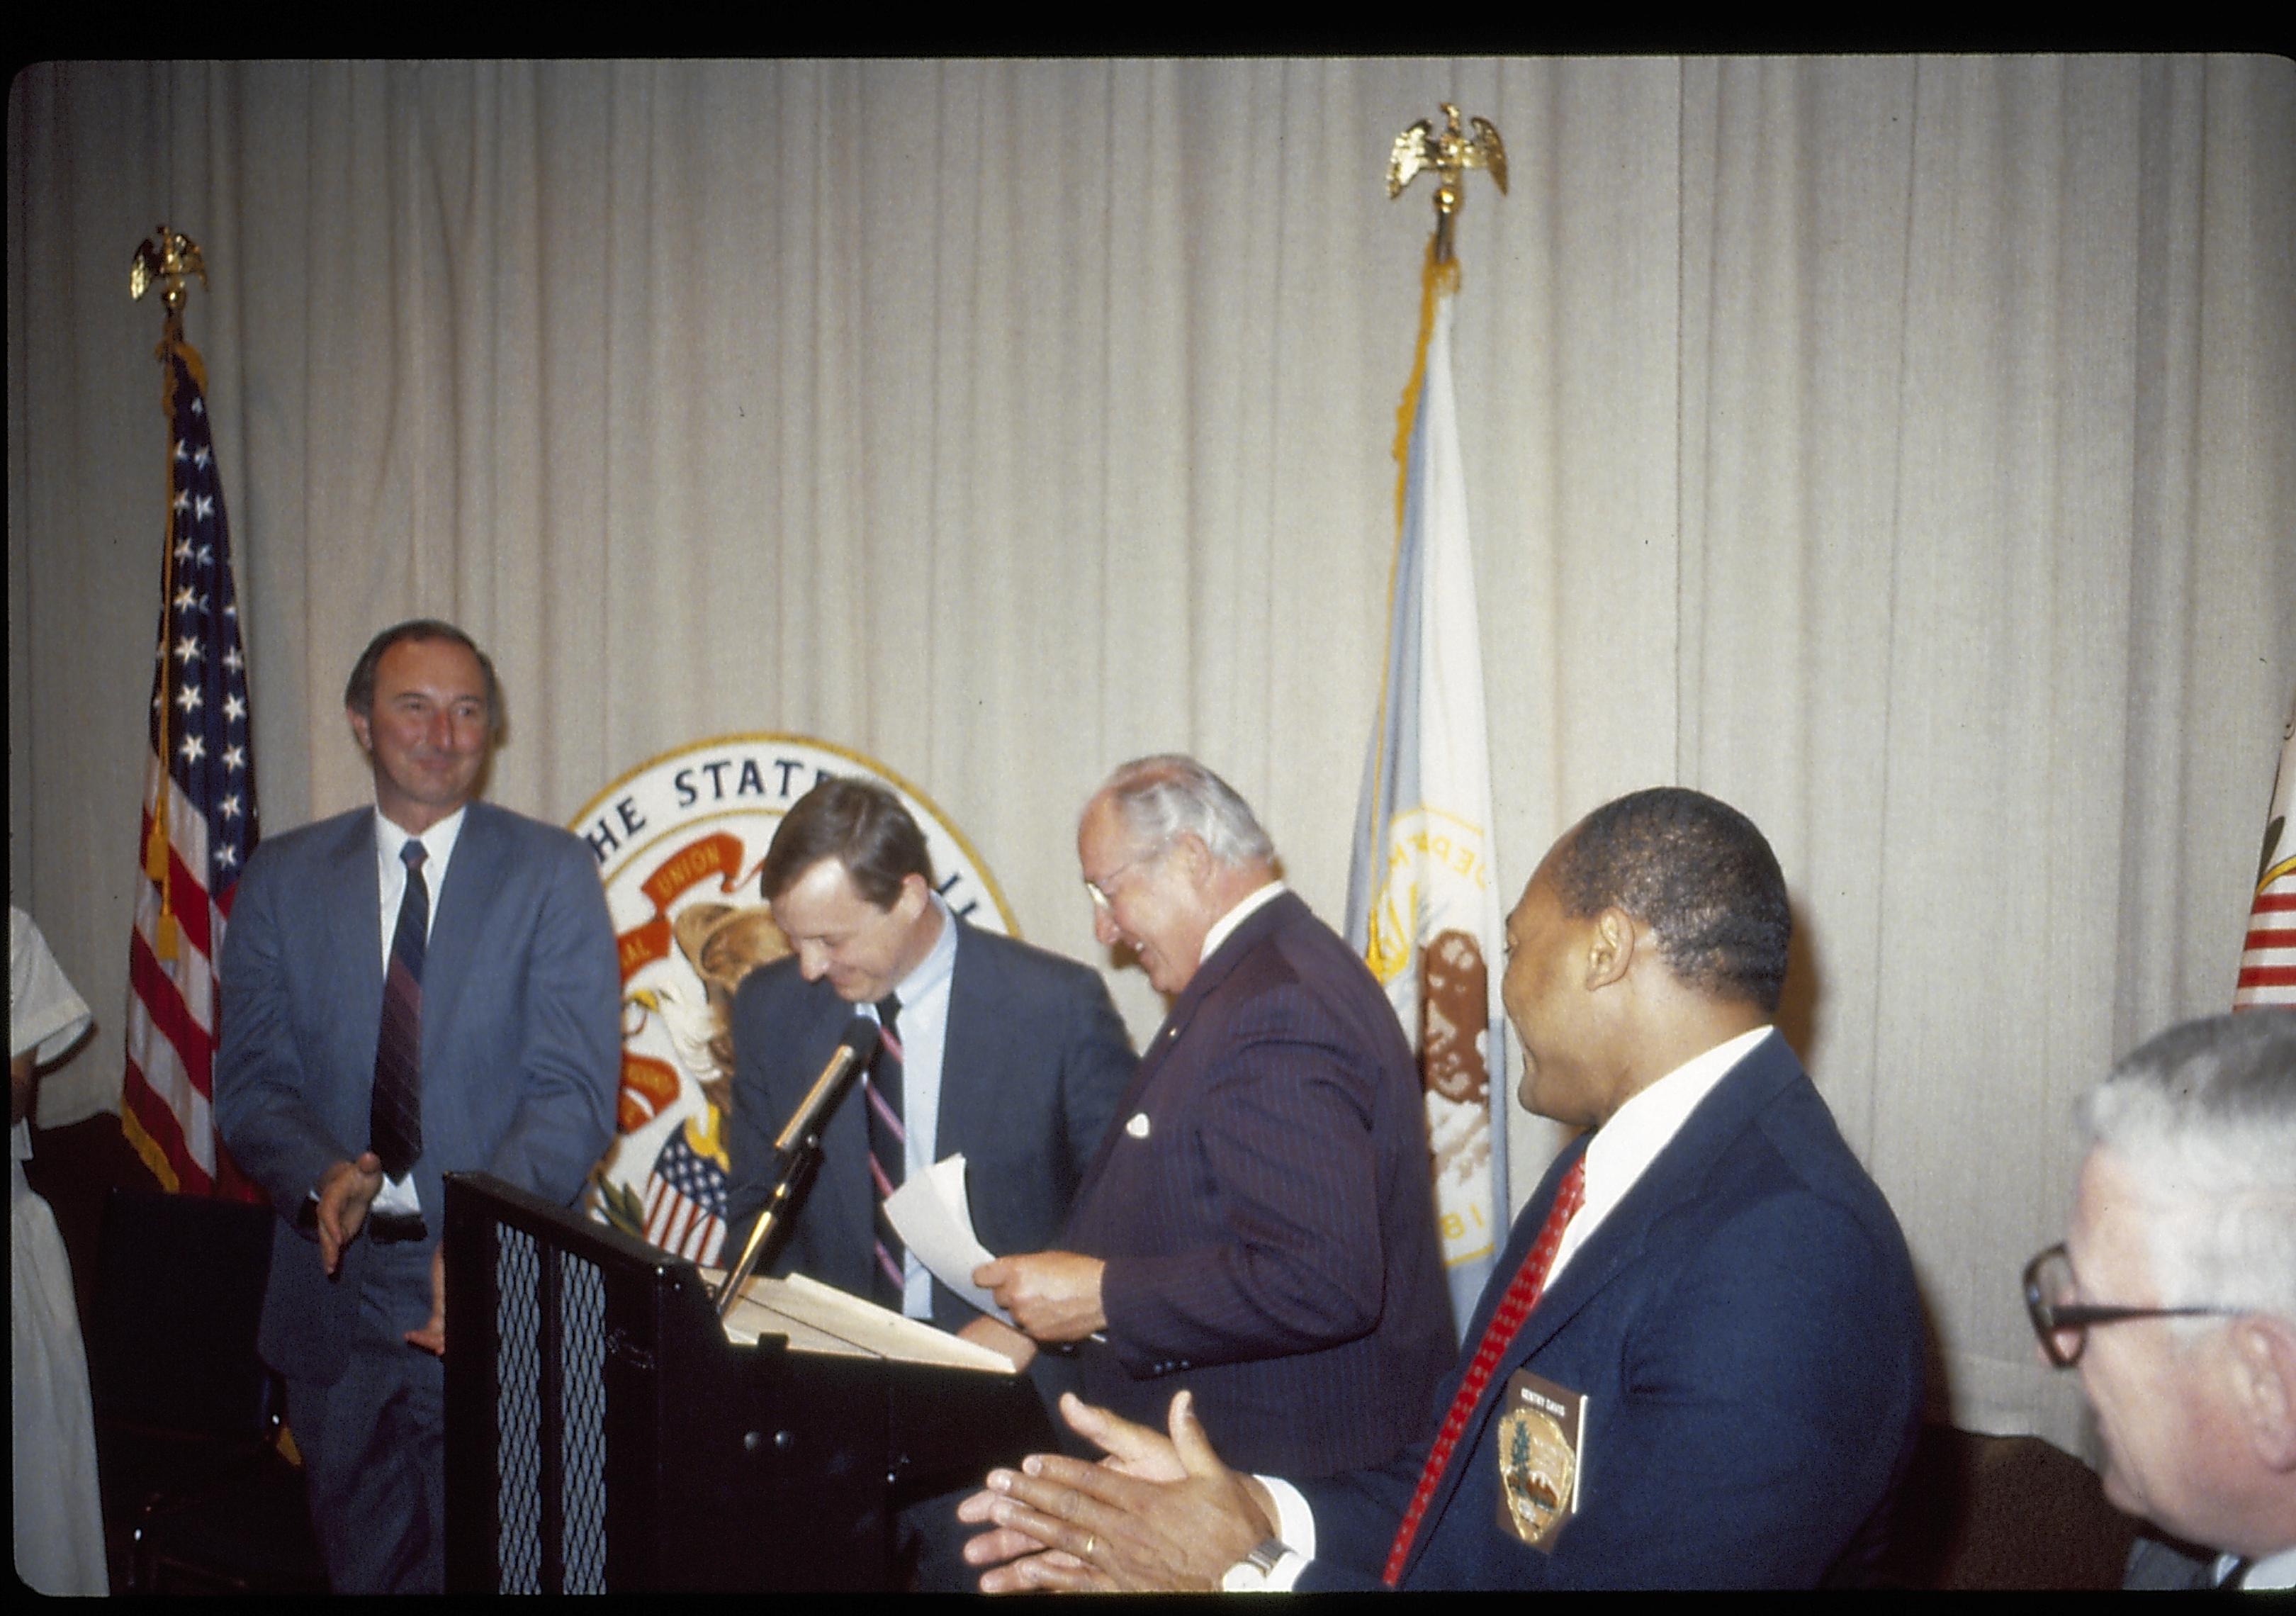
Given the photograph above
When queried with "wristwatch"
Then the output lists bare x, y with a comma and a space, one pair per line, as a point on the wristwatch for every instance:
1249, 1574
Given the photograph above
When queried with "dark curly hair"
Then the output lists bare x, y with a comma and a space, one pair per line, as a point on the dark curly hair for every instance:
1697, 873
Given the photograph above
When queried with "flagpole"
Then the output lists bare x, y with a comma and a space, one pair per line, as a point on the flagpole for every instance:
199, 781
166, 259
1422, 906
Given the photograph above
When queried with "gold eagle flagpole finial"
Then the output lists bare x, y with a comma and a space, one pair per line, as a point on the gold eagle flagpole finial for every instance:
166, 259
1449, 153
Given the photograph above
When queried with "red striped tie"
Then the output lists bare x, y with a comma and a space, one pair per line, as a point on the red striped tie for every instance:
887, 1147
1521, 1296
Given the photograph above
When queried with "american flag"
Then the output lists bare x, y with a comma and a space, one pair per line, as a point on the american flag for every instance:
685, 1201
2267, 961
199, 822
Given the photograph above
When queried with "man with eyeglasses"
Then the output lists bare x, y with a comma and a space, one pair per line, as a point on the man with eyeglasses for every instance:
2174, 1297
1260, 1225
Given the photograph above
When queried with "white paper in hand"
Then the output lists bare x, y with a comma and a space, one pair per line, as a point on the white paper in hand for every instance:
933, 1217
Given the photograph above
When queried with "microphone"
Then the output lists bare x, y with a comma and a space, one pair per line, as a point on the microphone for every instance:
851, 1054
799, 1145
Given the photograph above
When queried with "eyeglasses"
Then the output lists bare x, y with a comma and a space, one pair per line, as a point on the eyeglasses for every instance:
1103, 890
2056, 1319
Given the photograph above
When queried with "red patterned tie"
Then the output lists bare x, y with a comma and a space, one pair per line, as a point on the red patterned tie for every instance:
1521, 1296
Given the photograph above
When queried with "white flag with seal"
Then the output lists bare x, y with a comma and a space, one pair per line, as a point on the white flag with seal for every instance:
1424, 904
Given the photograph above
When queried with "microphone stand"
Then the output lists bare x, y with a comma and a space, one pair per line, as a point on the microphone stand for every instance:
797, 1153
792, 1171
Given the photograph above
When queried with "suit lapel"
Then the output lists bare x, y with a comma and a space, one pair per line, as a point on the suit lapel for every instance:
352, 902
967, 1060
455, 910
847, 1195
1210, 976
1673, 1178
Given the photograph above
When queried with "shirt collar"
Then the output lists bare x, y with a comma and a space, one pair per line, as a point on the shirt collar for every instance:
938, 964
1648, 1123
438, 842
1246, 907
2274, 1570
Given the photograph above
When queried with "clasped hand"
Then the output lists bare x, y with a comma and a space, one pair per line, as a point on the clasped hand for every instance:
1158, 1513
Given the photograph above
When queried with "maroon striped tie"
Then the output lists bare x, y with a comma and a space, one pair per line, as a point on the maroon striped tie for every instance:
887, 1147
1521, 1296
395, 1118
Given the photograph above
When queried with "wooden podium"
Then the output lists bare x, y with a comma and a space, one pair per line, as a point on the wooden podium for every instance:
603, 1435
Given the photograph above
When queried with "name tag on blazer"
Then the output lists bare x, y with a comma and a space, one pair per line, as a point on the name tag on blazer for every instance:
1540, 1450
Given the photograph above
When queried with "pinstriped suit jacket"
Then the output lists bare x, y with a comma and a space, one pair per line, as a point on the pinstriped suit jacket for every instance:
1264, 1206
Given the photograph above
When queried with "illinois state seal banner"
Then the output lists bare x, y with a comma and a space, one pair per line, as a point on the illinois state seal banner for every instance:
679, 841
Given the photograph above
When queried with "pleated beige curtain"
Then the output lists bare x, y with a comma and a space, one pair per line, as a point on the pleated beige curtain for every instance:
1902, 450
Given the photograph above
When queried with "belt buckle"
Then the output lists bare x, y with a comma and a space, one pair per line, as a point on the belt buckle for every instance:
396, 1228
383, 1228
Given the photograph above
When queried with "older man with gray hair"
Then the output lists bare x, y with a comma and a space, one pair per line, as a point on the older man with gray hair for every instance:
1258, 1227
2174, 1297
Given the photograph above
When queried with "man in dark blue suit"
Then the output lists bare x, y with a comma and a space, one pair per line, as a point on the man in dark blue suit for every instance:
495, 937
1014, 1057
1260, 1227
1699, 1362
1008, 1055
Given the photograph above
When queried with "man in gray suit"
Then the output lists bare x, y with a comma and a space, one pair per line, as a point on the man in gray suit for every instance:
423, 988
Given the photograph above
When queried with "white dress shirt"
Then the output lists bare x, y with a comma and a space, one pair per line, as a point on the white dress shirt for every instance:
2274, 1572
1246, 907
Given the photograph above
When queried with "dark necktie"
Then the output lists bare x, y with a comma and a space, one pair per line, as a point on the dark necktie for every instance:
394, 1120
1521, 1296
887, 1147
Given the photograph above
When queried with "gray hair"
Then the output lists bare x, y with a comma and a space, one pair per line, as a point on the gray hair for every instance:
1160, 799
2204, 1118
